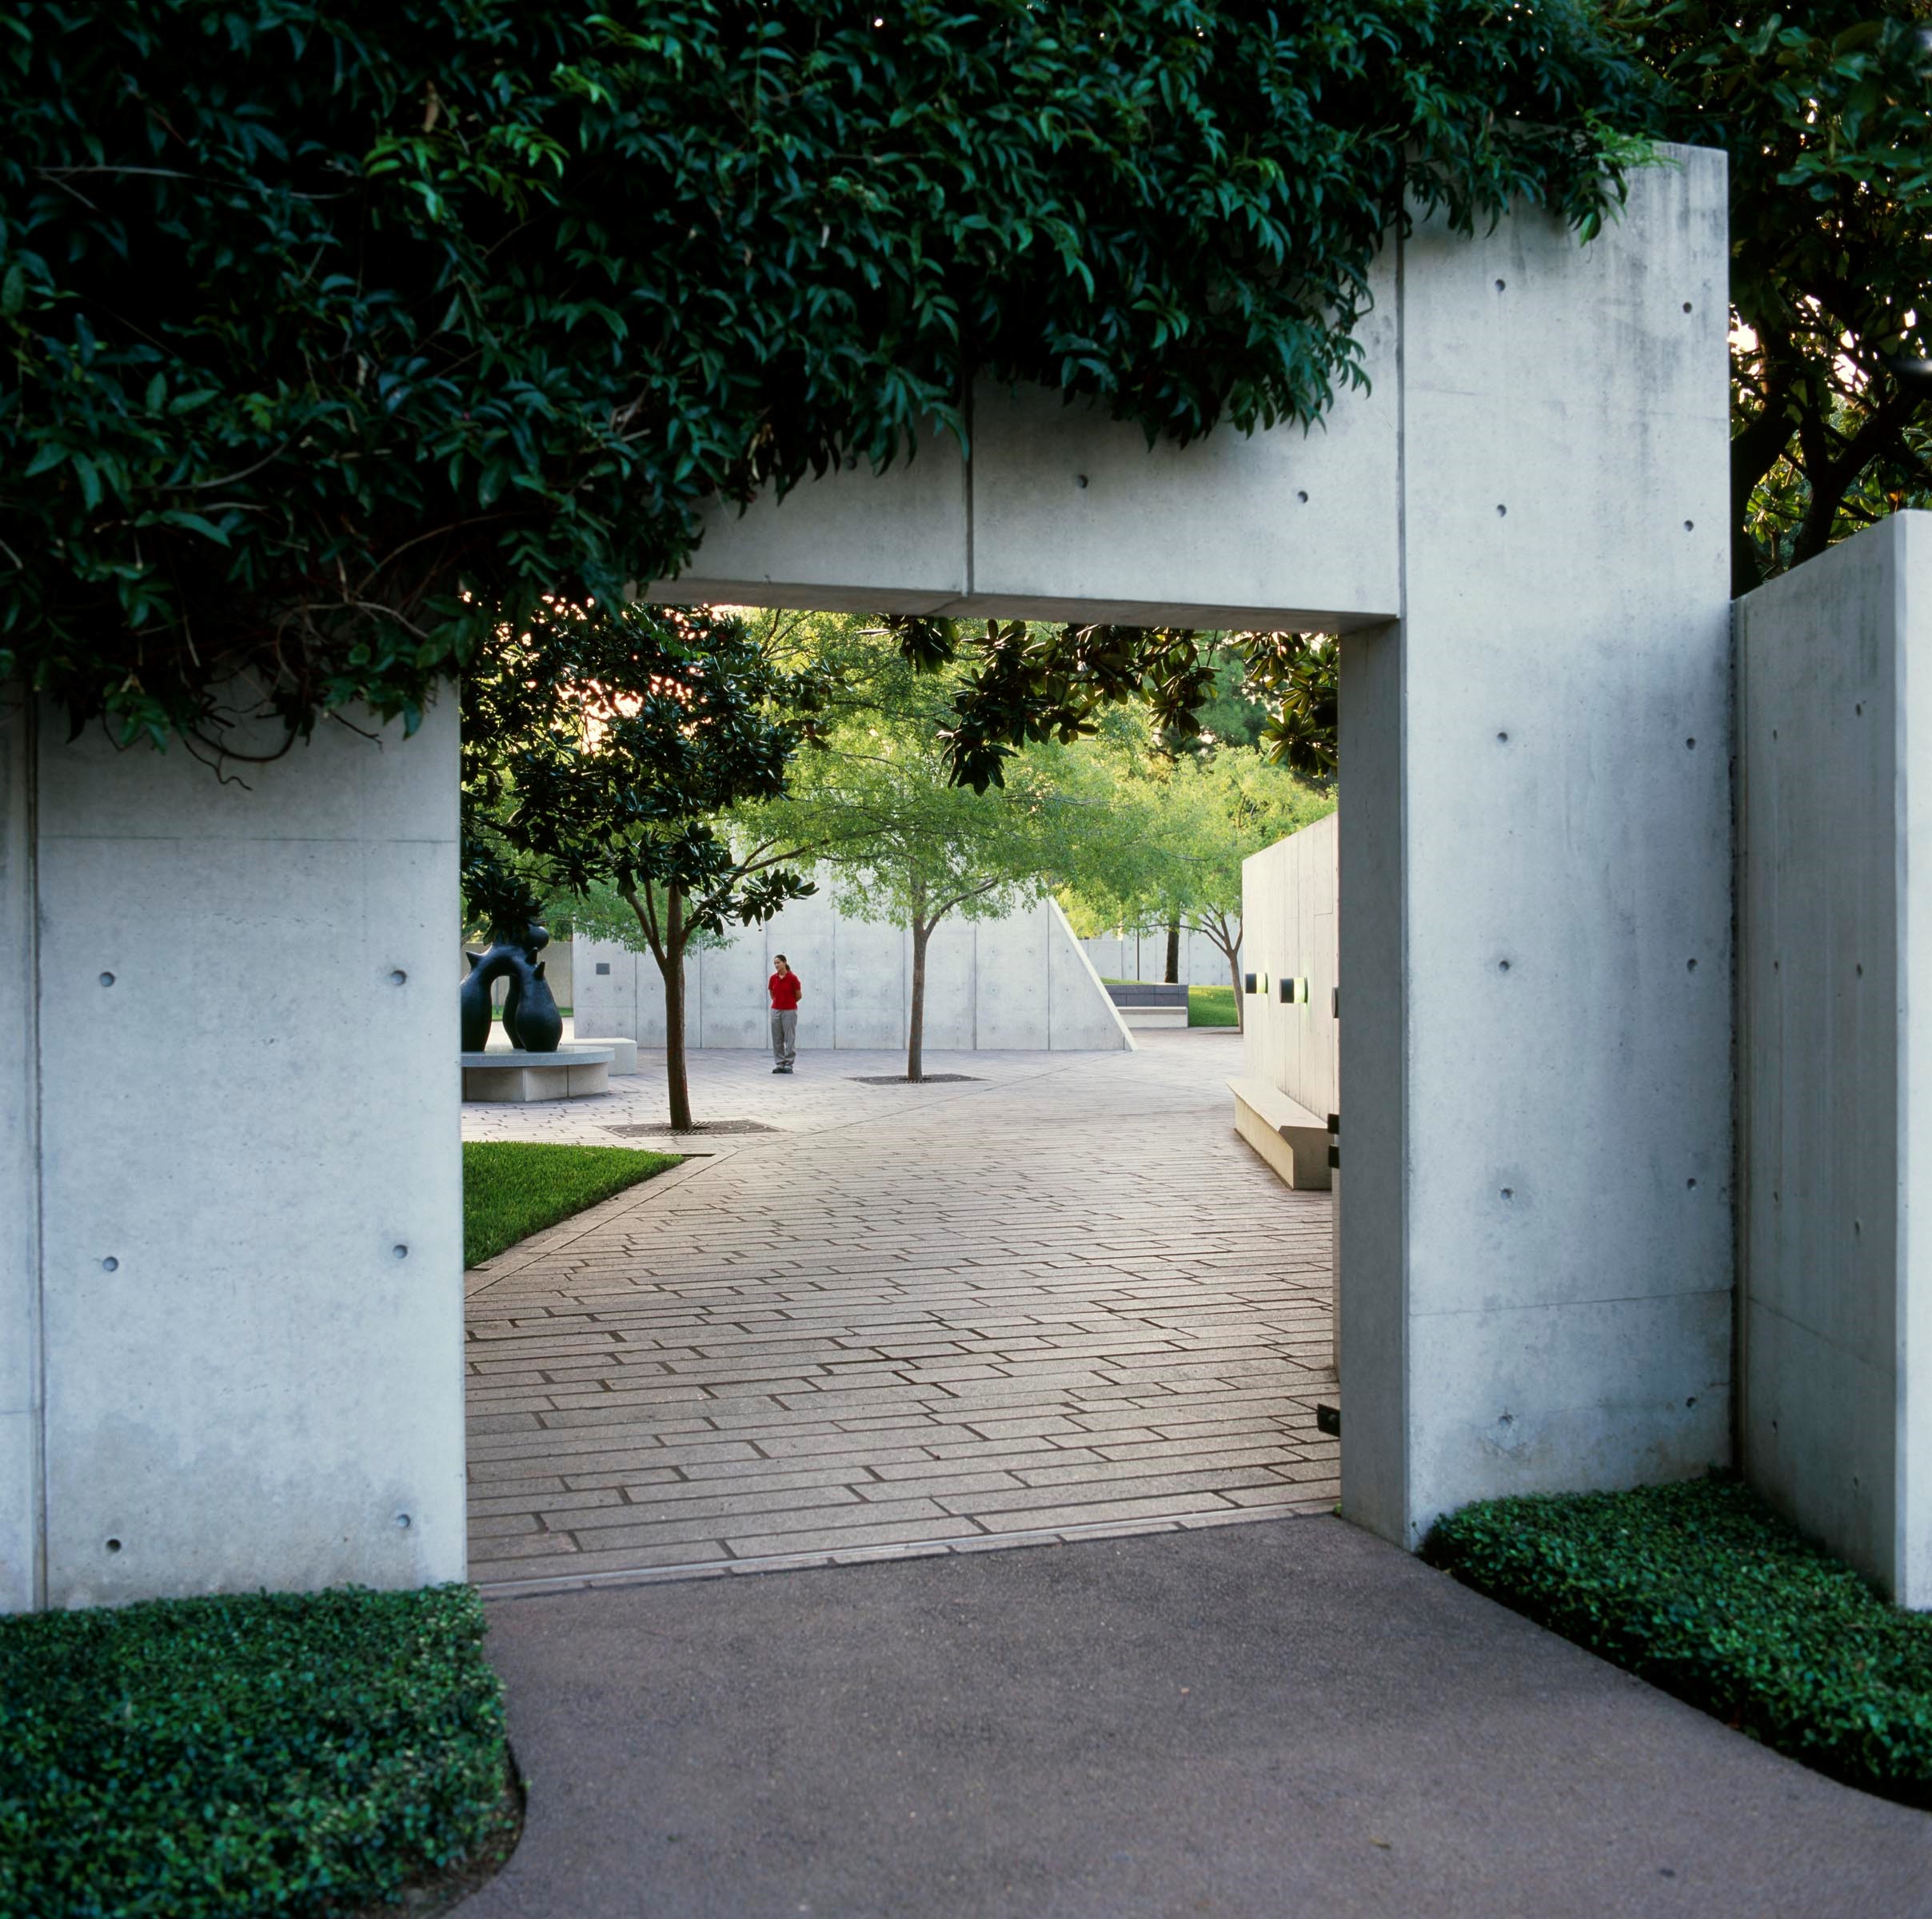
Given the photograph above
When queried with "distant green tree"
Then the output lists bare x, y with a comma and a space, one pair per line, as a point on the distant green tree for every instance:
1231, 714
1182, 831
874, 801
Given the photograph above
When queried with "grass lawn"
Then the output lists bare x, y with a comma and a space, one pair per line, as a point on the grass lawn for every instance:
512, 1190
271, 1753
1700, 1589
1212, 1006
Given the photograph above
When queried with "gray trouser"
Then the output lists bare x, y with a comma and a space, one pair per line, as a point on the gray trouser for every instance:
784, 1036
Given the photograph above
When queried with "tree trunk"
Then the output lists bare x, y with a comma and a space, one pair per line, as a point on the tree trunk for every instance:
1172, 976
1882, 434
1754, 453
915, 1026
666, 940
1234, 968
671, 965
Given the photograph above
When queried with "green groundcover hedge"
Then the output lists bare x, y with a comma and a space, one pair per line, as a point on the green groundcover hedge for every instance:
277, 1753
1700, 1589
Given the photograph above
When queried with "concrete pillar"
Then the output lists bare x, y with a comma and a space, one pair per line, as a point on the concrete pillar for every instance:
1834, 688
1535, 884
231, 1258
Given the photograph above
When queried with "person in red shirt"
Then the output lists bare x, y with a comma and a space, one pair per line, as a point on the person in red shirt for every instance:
785, 987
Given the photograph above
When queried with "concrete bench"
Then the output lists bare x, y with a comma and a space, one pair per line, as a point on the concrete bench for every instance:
503, 1076
1294, 1141
1146, 1002
623, 1052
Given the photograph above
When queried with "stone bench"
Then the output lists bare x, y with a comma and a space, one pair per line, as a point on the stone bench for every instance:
1294, 1141
503, 1076
1145, 1002
623, 1052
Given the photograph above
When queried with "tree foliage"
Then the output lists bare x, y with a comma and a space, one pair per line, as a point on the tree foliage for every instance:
1298, 676
1231, 714
1182, 828
1825, 112
337, 338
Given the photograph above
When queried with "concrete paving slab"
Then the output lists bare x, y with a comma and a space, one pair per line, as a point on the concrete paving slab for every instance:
1289, 1720
956, 1277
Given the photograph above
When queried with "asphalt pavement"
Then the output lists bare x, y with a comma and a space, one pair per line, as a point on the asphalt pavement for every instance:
1282, 1718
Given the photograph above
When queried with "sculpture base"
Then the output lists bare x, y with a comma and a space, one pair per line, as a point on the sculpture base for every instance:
516, 1078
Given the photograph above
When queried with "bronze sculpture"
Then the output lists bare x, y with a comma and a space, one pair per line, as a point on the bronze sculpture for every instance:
530, 1018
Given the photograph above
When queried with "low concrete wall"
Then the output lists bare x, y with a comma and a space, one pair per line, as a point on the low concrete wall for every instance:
1021, 982
231, 1253
1289, 929
1143, 956
1834, 677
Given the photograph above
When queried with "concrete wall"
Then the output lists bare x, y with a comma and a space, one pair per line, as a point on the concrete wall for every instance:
1143, 956
1020, 982
1535, 877
1834, 679
21, 1578
1289, 893
227, 1011
1522, 532
1062, 513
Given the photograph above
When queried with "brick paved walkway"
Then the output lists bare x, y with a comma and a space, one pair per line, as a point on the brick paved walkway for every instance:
1063, 1300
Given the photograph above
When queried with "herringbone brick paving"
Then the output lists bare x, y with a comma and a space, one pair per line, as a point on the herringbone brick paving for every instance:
1065, 1299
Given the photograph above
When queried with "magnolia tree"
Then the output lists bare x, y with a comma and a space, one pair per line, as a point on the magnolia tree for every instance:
604, 748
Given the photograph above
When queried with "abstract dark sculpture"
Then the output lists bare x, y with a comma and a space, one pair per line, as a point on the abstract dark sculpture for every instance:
530, 1018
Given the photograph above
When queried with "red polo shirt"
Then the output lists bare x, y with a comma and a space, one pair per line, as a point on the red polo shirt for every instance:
785, 990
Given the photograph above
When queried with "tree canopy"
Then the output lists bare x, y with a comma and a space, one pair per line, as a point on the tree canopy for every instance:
1825, 112
873, 801
338, 337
